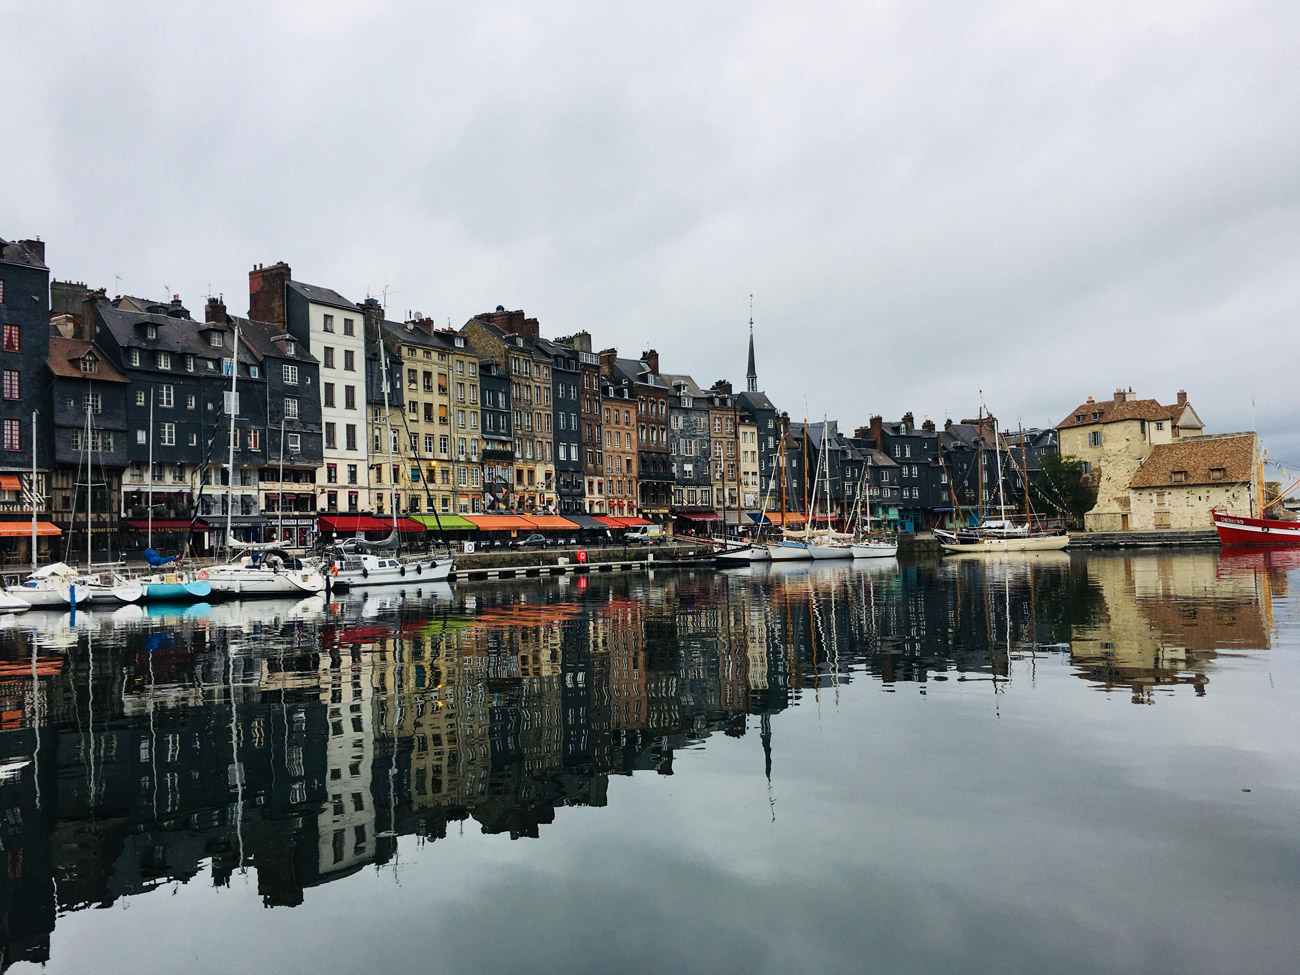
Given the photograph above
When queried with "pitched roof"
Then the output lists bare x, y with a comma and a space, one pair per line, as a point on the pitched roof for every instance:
1234, 454
65, 360
324, 296
754, 401
1108, 411
17, 252
264, 338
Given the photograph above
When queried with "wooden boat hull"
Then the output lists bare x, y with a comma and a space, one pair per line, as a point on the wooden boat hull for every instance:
994, 546
875, 550
1240, 530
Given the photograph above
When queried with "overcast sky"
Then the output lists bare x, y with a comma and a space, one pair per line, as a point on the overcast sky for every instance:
1040, 200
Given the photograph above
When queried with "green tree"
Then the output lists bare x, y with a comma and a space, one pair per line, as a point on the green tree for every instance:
1062, 485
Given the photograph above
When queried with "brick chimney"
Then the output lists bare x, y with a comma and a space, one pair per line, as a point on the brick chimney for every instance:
909, 421
1182, 397
88, 326
607, 358
878, 432
722, 386
37, 248
1119, 395
928, 426
267, 292
651, 358
215, 312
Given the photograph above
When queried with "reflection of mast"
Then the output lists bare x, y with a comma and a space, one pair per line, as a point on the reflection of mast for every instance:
234, 749
36, 724
765, 733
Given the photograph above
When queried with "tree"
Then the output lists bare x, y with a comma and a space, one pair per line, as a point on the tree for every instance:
1062, 486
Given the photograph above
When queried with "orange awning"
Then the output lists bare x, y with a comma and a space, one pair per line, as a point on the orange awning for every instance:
499, 523
549, 521
10, 482
23, 529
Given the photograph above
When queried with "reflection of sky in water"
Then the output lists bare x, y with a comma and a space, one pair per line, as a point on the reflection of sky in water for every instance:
1009, 818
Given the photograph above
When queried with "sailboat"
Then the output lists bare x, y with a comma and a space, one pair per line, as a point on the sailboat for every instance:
785, 550
995, 535
268, 571
871, 545
364, 567
828, 544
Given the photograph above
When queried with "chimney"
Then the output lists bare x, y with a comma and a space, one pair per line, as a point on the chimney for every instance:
1119, 395
37, 247
267, 292
928, 426
1090, 399
651, 358
215, 312
88, 326
878, 432
607, 358
909, 421
723, 387
372, 313
1182, 397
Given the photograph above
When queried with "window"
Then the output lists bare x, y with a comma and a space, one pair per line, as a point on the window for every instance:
189, 363
163, 360
254, 439
352, 436
291, 407
329, 357
167, 395
169, 434
13, 428
332, 500
12, 385
350, 397
1217, 473
1160, 424
348, 328
328, 323
289, 374
354, 501
329, 394
331, 473
89, 364
90, 402
1178, 477
1094, 438
331, 437
1087, 468
132, 355
349, 360
295, 443
1162, 519
352, 473
190, 402
141, 436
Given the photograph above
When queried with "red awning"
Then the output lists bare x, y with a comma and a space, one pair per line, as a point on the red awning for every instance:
10, 482
610, 522
499, 523
352, 523
635, 522
700, 516
407, 525
549, 521
165, 525
23, 529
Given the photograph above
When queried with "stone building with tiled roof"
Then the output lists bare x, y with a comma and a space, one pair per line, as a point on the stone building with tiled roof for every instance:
1113, 437
1180, 483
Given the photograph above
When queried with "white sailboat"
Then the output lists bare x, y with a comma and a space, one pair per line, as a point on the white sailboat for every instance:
871, 545
267, 571
785, 550
827, 544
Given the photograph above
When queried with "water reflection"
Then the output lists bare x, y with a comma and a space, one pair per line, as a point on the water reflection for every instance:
298, 742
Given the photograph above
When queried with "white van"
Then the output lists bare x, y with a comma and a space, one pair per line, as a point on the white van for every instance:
649, 534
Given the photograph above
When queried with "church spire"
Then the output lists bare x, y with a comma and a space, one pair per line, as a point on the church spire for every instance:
751, 377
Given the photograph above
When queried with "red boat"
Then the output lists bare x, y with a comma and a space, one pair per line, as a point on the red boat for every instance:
1240, 530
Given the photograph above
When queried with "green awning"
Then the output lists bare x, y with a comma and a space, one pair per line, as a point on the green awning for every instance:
450, 523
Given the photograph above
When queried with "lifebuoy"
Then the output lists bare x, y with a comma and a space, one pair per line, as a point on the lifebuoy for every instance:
334, 570
582, 555
203, 573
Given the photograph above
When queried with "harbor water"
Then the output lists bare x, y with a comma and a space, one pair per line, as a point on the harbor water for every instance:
1050, 763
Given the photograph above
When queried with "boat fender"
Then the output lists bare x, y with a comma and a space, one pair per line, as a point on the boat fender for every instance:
365, 573
203, 573
402, 571
419, 568
334, 570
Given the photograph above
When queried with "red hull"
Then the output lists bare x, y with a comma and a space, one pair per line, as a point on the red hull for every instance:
1239, 530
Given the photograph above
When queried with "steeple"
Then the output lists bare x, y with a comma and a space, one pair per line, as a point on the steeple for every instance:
751, 377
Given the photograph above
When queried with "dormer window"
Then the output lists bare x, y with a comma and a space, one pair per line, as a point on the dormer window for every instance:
1078, 418
1096, 416
189, 363
460, 341
1217, 473
1178, 477
215, 339
289, 347
89, 363
151, 331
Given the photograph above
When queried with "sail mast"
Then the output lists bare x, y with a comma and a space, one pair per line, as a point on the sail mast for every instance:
230, 464
1024, 472
388, 416
149, 483
279, 522
33, 494
979, 446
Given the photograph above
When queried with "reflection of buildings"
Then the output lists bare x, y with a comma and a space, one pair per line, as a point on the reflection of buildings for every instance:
1164, 618
174, 748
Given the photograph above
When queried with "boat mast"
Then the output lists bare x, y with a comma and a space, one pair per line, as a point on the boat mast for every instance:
230, 463
997, 453
33, 494
279, 521
388, 416
149, 483
1024, 474
979, 446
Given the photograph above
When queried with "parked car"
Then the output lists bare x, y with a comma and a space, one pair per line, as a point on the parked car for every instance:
648, 535
532, 541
